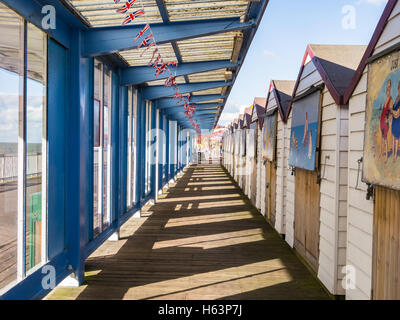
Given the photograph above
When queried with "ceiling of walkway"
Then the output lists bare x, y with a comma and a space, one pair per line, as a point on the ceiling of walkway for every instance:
223, 45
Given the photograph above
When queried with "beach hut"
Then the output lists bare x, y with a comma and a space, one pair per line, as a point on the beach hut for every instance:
373, 224
274, 153
231, 144
257, 121
242, 153
316, 206
228, 150
236, 149
250, 151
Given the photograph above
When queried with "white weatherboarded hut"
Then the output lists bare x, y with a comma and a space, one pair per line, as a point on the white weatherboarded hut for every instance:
257, 117
279, 96
316, 205
373, 245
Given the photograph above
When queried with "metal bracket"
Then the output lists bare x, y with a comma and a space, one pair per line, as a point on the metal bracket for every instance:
370, 191
359, 161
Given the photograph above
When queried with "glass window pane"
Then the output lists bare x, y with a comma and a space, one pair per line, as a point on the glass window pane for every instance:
129, 150
35, 125
133, 159
97, 177
106, 148
11, 72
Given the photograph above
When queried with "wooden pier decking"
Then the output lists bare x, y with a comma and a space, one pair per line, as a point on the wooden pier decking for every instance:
202, 240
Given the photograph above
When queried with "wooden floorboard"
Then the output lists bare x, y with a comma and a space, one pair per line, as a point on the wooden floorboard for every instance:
202, 240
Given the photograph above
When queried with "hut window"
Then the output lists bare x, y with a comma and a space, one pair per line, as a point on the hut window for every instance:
304, 135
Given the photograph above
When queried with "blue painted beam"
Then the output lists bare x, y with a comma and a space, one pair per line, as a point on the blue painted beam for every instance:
163, 10
107, 40
136, 75
200, 106
166, 103
157, 92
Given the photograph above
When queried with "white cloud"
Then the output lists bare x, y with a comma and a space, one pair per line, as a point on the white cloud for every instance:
231, 112
269, 53
374, 2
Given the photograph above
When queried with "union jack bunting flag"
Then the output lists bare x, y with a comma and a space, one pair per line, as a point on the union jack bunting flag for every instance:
178, 96
170, 81
161, 69
126, 6
146, 27
132, 16
145, 42
154, 60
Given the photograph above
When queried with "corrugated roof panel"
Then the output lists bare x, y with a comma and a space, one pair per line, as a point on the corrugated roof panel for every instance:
134, 58
215, 47
209, 91
179, 10
215, 75
179, 80
103, 13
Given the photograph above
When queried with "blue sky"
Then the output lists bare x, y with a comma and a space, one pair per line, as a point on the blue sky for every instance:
286, 29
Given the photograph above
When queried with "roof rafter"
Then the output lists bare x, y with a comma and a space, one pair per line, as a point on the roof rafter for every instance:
157, 92
107, 40
137, 75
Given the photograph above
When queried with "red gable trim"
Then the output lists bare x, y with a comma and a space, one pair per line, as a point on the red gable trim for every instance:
272, 87
370, 49
260, 110
335, 95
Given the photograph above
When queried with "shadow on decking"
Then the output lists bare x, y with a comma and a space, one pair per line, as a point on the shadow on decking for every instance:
197, 244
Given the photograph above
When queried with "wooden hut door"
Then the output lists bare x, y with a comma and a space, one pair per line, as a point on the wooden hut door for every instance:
253, 184
307, 214
270, 201
386, 246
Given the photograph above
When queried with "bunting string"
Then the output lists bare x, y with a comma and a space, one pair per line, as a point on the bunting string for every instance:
160, 66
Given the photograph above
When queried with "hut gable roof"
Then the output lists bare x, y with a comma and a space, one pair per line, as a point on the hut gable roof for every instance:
259, 107
370, 49
282, 90
336, 64
236, 123
248, 113
241, 121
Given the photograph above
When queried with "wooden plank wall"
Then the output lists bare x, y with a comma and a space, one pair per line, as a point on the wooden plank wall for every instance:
289, 191
386, 245
333, 190
307, 222
360, 210
281, 176
254, 168
260, 164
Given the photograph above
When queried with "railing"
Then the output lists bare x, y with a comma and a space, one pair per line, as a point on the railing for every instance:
9, 166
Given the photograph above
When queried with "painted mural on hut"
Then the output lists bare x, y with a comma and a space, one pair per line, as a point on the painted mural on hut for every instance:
304, 132
269, 137
382, 127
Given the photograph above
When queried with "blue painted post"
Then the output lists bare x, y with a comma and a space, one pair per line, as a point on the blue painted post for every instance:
161, 137
141, 142
79, 170
167, 150
115, 192
57, 106
123, 154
